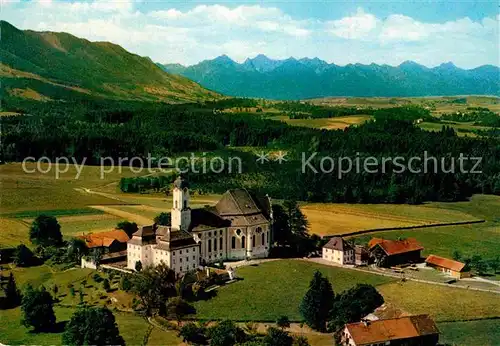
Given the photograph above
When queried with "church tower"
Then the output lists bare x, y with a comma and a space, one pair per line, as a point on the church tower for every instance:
181, 212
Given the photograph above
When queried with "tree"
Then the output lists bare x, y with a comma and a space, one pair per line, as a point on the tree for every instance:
45, 231
76, 249
125, 283
12, 293
317, 302
494, 264
457, 255
300, 340
277, 337
106, 285
37, 308
23, 256
353, 304
55, 289
163, 219
283, 322
129, 227
92, 326
138, 266
193, 334
96, 255
225, 333
153, 286
177, 308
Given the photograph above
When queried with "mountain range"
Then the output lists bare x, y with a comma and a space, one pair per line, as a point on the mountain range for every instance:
312, 78
50, 65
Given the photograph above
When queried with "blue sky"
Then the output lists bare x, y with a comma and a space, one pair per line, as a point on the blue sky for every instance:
342, 32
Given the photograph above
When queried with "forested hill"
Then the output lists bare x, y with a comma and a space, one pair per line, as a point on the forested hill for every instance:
49, 65
312, 78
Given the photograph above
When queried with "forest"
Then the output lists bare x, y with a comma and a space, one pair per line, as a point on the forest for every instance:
93, 129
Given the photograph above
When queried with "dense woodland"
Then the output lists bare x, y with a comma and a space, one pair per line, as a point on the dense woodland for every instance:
95, 129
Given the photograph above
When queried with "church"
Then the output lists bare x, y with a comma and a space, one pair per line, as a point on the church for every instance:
238, 227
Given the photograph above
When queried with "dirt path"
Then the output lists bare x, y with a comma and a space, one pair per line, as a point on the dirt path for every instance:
138, 219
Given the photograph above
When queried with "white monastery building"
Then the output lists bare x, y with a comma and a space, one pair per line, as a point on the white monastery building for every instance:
237, 227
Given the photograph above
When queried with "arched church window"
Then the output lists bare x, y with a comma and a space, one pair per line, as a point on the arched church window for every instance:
176, 205
185, 204
238, 232
253, 240
258, 229
263, 237
233, 242
243, 242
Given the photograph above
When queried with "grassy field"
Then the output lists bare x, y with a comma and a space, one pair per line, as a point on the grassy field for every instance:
132, 327
482, 239
23, 191
264, 294
75, 202
335, 218
337, 123
438, 104
483, 332
275, 288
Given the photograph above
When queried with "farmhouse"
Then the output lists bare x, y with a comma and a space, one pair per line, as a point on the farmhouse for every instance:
339, 251
113, 245
237, 227
388, 253
454, 268
418, 330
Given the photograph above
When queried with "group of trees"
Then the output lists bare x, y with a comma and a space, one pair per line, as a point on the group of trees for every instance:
227, 333
478, 115
477, 263
291, 231
88, 325
324, 311
301, 110
115, 129
46, 237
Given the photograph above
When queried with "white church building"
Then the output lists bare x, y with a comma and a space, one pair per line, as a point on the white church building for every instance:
237, 227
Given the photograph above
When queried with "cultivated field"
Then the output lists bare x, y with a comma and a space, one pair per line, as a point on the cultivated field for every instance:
84, 205
336, 218
475, 239
337, 123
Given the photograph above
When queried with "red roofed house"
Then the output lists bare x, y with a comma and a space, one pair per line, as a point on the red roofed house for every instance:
113, 243
454, 268
389, 253
418, 330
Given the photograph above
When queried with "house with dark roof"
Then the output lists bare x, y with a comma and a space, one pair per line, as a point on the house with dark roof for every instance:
339, 251
237, 227
456, 269
387, 253
418, 330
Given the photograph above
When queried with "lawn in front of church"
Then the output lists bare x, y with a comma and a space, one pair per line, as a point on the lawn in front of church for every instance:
273, 289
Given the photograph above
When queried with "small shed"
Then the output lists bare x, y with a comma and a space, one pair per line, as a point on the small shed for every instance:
454, 268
